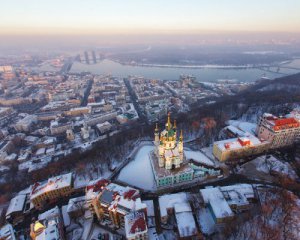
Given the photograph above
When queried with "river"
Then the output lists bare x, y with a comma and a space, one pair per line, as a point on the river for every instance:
169, 73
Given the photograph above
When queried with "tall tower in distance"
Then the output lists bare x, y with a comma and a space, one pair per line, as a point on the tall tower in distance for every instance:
169, 151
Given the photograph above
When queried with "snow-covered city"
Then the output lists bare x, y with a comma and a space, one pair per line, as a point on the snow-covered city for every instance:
150, 120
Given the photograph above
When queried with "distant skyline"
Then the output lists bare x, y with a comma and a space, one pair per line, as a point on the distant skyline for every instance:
36, 17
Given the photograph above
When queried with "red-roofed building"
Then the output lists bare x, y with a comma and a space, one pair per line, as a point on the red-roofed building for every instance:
113, 202
280, 132
97, 185
136, 226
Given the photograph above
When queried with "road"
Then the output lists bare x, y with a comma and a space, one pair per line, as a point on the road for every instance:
87, 93
135, 102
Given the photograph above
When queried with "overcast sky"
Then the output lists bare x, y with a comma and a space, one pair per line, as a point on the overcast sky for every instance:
147, 16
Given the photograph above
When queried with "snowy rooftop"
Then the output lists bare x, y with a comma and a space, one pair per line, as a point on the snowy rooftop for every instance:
135, 224
16, 204
48, 222
105, 124
186, 224
76, 204
238, 143
170, 200
52, 213
7, 232
235, 131
182, 207
66, 217
51, 232
244, 189
280, 123
54, 183
123, 199
241, 126
219, 205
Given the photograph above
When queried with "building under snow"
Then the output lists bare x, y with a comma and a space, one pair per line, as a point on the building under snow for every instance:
52, 190
239, 147
217, 204
49, 226
7, 233
112, 202
136, 226
14, 213
177, 204
280, 132
223, 201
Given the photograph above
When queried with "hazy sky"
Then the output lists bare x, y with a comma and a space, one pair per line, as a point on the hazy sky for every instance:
147, 16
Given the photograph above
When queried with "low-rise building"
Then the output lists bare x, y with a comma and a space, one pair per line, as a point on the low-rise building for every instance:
217, 204
52, 190
49, 226
25, 124
101, 118
178, 205
59, 128
167, 203
238, 196
113, 202
104, 127
7, 233
136, 226
14, 213
239, 147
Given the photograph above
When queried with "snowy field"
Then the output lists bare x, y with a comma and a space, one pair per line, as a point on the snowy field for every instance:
198, 157
139, 171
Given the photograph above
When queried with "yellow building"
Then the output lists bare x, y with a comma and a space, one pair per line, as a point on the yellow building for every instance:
52, 190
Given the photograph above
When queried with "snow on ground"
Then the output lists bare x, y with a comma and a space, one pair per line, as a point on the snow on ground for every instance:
150, 208
244, 126
273, 217
208, 151
198, 157
150, 213
273, 164
168, 234
206, 221
139, 171
90, 173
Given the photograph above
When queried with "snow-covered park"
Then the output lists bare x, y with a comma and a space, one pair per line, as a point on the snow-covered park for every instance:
139, 171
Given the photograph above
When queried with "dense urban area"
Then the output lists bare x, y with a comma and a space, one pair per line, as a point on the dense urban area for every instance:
87, 156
